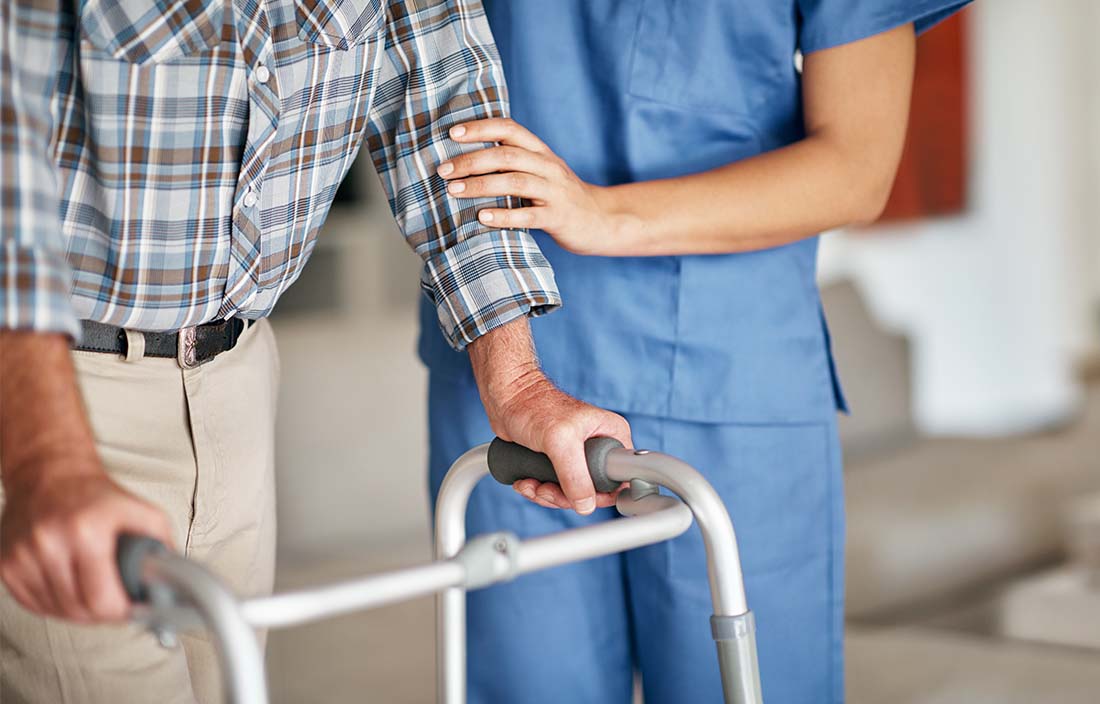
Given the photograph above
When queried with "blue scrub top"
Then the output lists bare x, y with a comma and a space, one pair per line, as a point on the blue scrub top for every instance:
631, 90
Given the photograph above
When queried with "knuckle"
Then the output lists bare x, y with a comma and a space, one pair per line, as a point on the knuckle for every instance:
517, 181
43, 537
479, 162
19, 554
559, 434
82, 528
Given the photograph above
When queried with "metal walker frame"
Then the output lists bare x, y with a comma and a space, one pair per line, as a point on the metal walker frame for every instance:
173, 593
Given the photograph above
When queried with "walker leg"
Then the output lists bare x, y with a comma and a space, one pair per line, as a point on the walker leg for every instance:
735, 637
450, 651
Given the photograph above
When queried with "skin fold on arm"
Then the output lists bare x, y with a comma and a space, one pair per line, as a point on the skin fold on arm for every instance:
856, 104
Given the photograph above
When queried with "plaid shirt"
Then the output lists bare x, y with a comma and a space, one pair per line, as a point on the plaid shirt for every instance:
165, 163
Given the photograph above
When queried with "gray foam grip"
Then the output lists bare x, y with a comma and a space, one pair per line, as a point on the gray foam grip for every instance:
509, 462
131, 553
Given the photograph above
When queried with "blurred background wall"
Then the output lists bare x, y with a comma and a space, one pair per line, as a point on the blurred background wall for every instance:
965, 341
1000, 303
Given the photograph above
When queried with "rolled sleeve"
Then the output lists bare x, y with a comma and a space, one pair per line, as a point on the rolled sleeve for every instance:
440, 68
487, 281
830, 23
35, 280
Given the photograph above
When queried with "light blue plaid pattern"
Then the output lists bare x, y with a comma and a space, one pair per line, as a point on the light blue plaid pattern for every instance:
170, 162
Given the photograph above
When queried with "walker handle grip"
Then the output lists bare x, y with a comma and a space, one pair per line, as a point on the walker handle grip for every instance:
509, 462
130, 555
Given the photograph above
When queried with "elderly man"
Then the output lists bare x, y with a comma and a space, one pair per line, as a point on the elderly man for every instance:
165, 167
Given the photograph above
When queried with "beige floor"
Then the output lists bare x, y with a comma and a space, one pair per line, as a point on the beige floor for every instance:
924, 666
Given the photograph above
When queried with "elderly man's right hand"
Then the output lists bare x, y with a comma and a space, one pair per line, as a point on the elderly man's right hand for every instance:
57, 542
62, 514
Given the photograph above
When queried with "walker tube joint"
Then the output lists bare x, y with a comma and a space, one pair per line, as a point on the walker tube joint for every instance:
489, 559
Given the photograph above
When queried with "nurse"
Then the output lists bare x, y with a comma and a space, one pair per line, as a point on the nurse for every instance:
682, 168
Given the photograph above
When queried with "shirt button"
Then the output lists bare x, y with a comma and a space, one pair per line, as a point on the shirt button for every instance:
250, 198
262, 74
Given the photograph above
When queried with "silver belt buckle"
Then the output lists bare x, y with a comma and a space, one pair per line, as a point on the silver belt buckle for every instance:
185, 348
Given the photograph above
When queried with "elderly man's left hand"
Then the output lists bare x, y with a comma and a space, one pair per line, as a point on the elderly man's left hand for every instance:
526, 408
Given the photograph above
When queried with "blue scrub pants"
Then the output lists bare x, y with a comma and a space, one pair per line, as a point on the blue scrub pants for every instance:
575, 633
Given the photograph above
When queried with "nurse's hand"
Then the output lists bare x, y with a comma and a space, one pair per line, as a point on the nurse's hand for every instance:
573, 212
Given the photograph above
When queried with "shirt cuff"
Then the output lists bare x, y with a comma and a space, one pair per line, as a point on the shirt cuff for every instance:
35, 291
486, 281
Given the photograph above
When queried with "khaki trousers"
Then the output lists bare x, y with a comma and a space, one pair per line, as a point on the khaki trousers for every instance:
199, 443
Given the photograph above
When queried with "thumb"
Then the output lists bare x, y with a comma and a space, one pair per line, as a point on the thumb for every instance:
145, 520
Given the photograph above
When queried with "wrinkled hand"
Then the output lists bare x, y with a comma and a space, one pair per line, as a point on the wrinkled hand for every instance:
573, 212
537, 415
58, 538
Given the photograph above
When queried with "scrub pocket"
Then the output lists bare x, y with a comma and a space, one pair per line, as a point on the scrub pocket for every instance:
779, 482
714, 55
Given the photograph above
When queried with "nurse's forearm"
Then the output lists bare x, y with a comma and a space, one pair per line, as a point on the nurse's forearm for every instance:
856, 105
763, 202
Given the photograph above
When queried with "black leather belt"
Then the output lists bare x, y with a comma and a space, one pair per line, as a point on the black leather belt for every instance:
190, 347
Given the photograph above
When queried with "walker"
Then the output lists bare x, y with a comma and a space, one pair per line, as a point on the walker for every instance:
172, 593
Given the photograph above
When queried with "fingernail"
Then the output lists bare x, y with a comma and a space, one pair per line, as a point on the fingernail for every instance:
586, 506
527, 492
457, 187
485, 216
458, 131
445, 168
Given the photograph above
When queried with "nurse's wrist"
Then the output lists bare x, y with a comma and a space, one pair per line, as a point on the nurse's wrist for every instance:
622, 228
612, 228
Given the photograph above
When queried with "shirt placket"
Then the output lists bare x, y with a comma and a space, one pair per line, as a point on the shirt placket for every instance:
246, 246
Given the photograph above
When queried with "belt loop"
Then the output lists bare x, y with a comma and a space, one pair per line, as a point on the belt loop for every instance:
135, 345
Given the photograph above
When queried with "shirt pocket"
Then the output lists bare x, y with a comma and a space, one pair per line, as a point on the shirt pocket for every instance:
339, 24
714, 55
153, 31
